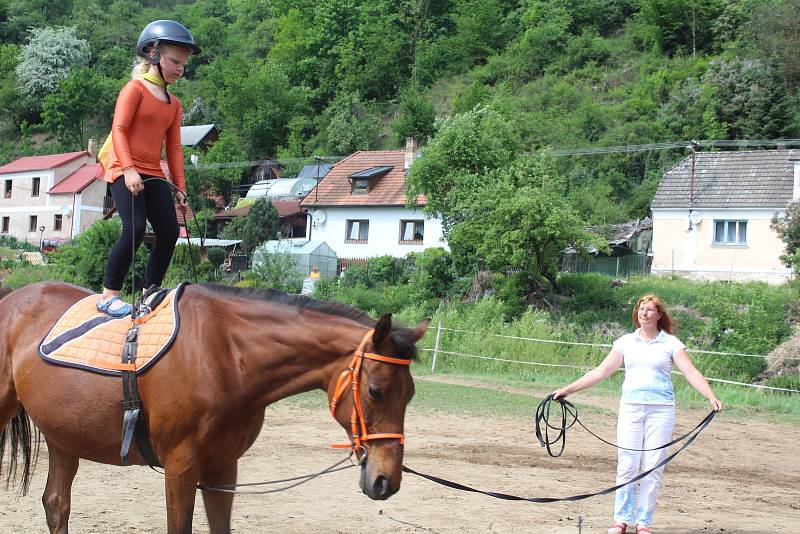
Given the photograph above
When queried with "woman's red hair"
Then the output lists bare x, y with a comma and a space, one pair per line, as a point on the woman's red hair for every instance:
664, 322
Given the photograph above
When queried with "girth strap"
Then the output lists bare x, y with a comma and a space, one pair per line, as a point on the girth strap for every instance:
133, 425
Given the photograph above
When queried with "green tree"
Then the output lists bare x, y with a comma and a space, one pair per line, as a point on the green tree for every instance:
262, 224
48, 58
465, 149
682, 26
417, 116
82, 97
352, 125
788, 228
520, 219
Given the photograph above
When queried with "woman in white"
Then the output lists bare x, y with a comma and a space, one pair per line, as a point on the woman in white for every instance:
647, 406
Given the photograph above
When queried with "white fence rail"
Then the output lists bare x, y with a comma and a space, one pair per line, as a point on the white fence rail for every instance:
437, 350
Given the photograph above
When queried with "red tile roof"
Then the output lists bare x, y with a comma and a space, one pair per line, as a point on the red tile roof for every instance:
387, 190
40, 163
78, 180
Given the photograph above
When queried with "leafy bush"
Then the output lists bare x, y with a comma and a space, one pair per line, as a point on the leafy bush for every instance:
13, 242
433, 273
276, 270
83, 260
216, 256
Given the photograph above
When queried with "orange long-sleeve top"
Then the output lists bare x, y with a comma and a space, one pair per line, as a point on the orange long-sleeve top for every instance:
142, 124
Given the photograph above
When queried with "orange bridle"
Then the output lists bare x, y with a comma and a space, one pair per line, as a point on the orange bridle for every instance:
351, 376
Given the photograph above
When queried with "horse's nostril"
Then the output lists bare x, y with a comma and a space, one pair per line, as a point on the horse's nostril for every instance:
381, 487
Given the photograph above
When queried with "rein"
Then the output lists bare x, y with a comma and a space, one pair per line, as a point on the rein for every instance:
352, 377
542, 415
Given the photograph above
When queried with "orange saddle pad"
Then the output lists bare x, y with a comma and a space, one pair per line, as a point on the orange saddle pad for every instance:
89, 339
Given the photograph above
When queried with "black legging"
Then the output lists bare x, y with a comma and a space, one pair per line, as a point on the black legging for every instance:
155, 205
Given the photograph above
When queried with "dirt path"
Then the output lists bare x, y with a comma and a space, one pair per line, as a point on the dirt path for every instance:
740, 476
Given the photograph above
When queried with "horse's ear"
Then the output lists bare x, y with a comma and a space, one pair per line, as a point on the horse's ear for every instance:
418, 331
382, 329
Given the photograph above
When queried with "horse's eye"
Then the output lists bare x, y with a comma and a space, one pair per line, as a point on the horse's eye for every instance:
375, 393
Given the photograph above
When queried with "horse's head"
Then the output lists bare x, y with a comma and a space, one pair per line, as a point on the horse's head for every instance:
385, 387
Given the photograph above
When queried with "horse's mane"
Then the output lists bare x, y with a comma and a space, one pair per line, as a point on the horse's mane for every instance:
401, 336
299, 301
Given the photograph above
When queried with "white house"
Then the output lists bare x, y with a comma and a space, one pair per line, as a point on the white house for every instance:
50, 197
711, 219
359, 208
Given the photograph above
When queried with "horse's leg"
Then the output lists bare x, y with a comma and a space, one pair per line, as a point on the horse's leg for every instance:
58, 492
180, 490
219, 504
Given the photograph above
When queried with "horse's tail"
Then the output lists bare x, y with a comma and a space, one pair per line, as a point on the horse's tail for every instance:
23, 438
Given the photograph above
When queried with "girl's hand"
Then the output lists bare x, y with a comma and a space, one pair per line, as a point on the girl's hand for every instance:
716, 403
183, 202
133, 181
559, 394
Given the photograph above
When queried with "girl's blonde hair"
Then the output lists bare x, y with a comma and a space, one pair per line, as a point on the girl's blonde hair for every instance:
664, 322
140, 67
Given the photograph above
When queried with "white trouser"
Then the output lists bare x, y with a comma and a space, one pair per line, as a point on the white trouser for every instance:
641, 426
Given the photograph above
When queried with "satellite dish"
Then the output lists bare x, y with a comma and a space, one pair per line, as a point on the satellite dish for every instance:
319, 217
695, 217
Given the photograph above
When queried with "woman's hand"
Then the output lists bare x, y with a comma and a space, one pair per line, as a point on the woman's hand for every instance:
133, 181
716, 403
183, 201
559, 394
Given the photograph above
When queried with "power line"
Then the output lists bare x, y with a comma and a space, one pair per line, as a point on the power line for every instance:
266, 162
673, 145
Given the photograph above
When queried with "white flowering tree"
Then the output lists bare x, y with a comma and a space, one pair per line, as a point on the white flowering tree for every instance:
48, 59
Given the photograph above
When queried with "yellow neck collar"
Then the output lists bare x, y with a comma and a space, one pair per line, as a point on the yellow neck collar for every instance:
154, 79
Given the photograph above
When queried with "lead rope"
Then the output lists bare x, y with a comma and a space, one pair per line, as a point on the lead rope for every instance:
231, 488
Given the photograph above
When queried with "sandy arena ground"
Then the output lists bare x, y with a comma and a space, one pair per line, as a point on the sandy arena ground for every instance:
740, 476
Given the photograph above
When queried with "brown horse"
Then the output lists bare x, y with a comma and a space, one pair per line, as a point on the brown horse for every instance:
237, 352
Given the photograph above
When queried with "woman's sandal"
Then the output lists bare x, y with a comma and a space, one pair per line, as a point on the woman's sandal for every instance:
618, 528
121, 311
642, 529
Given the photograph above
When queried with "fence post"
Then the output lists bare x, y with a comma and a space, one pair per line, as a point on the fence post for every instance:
436, 347
617, 275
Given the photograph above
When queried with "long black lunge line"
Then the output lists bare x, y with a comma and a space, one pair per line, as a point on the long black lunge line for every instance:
544, 407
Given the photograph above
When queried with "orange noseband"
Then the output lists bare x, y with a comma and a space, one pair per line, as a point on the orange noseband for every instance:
351, 376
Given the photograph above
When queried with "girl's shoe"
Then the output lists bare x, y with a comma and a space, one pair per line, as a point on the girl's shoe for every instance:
618, 528
117, 311
642, 529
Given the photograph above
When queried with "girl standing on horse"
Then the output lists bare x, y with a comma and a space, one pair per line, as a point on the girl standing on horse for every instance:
146, 118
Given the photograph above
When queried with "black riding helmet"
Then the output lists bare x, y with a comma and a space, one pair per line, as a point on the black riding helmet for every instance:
164, 31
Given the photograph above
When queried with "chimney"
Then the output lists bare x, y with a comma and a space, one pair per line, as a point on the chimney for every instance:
412, 147
92, 148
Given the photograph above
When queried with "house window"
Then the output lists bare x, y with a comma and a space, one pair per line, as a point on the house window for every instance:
6, 224
412, 232
7, 189
35, 187
357, 231
361, 185
730, 232
57, 222
33, 223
